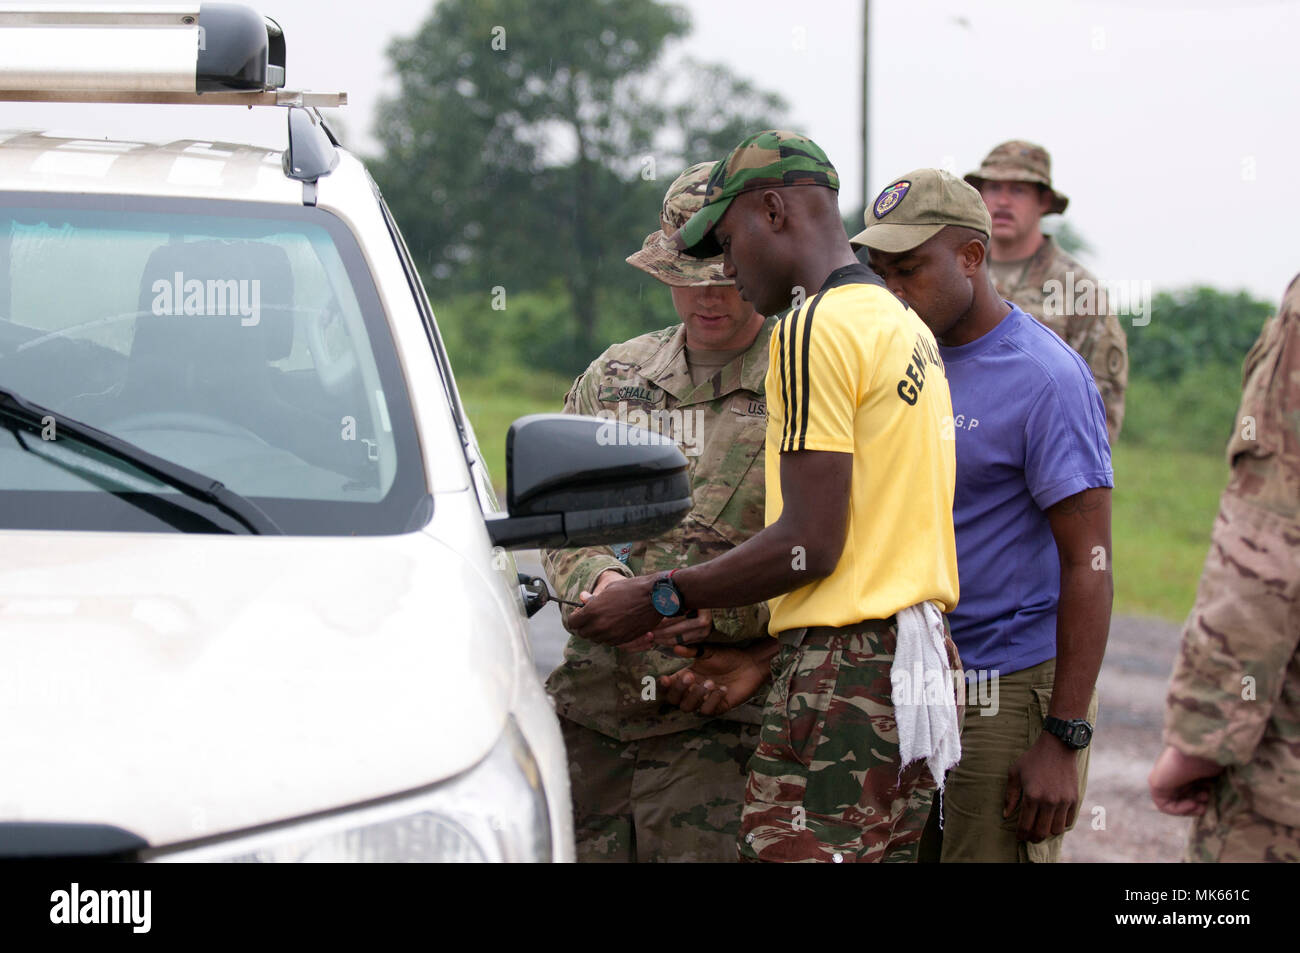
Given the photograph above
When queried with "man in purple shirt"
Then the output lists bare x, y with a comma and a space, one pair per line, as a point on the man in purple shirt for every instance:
1032, 520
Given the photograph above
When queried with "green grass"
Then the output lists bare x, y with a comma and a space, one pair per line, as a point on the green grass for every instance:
1163, 509
494, 403
1164, 502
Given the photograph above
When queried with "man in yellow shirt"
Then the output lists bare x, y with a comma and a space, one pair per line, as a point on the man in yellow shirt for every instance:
858, 557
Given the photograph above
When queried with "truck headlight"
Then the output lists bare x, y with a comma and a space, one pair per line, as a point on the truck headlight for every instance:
496, 811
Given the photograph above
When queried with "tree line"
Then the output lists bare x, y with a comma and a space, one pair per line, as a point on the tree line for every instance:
526, 154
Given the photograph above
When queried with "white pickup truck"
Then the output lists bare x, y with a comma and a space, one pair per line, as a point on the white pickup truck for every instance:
256, 599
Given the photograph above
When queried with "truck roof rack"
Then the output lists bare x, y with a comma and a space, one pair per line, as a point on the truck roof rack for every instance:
184, 54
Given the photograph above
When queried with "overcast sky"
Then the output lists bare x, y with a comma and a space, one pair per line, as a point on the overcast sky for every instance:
1173, 124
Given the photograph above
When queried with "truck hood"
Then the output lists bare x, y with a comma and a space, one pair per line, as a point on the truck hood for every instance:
183, 686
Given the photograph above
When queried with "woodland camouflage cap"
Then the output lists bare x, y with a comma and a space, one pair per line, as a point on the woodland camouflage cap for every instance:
771, 159
658, 257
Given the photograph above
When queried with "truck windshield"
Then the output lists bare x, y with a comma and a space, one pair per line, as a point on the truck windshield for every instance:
243, 341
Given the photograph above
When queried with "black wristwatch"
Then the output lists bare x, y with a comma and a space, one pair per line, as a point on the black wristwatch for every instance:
1076, 733
666, 597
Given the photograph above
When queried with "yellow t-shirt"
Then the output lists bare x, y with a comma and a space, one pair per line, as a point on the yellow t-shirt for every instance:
854, 371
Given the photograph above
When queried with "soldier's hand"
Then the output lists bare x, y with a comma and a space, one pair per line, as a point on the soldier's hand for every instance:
720, 679
602, 581
1180, 783
691, 628
1045, 783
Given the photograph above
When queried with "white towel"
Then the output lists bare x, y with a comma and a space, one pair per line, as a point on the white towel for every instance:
921, 680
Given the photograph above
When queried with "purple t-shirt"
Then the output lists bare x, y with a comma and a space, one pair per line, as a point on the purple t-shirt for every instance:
1030, 430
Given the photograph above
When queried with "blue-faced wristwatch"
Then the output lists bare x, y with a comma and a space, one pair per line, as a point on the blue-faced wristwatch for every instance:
666, 597
1076, 733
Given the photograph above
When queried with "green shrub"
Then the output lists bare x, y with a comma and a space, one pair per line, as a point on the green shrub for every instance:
534, 329
1195, 413
1193, 328
1162, 512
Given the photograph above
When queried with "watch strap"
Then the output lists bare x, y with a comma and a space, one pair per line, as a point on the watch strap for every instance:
1076, 733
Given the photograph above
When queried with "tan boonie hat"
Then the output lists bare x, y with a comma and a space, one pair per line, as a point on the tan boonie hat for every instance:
658, 257
915, 208
1019, 161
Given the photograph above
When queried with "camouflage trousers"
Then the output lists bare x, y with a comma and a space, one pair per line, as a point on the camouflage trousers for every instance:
667, 798
825, 784
1229, 832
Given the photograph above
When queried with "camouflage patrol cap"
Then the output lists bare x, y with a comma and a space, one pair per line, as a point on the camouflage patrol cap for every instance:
1019, 161
912, 210
771, 159
658, 257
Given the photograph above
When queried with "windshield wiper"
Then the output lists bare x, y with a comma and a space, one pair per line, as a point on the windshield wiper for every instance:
189, 482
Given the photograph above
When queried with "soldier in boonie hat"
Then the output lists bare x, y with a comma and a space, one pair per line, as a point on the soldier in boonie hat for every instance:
717, 324
661, 776
1015, 180
658, 257
1019, 161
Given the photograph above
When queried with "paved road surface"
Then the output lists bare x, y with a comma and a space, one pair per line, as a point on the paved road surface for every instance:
1139, 657
1117, 821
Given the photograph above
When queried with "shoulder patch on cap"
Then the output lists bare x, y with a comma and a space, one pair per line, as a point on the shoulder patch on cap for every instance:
890, 198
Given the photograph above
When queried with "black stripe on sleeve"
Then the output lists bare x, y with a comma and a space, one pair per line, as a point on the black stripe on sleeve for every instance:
806, 384
780, 363
791, 394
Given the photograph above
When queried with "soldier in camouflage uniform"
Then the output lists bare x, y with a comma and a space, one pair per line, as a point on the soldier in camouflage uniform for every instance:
1032, 271
650, 781
1232, 718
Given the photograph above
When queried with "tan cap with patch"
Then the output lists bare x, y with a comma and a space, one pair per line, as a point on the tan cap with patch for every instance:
913, 209
658, 256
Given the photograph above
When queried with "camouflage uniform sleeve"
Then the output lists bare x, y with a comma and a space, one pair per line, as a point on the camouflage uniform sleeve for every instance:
1229, 683
1239, 639
1108, 360
570, 571
1065, 296
1100, 340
